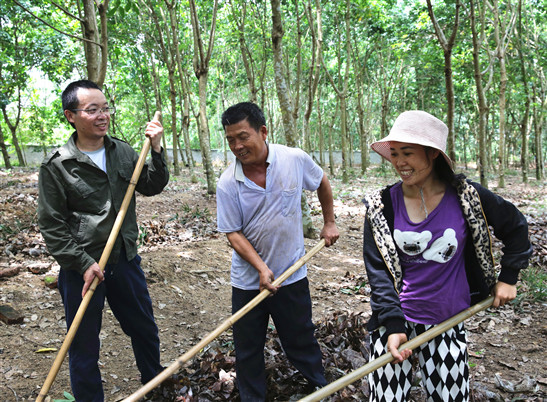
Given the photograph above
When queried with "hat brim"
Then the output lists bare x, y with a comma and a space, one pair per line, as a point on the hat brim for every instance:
383, 147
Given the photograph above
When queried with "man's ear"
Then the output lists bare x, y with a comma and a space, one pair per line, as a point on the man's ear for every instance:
69, 114
263, 132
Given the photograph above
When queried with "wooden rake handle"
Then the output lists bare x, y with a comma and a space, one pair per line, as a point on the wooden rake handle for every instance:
177, 364
102, 264
388, 358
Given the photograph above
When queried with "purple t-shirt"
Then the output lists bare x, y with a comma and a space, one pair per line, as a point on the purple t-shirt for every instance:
435, 286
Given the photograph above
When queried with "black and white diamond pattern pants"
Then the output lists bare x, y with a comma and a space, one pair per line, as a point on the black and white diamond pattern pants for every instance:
443, 362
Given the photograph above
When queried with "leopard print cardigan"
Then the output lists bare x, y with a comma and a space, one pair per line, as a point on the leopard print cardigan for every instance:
474, 215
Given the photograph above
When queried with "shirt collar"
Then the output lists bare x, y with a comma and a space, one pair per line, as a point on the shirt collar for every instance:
238, 171
72, 141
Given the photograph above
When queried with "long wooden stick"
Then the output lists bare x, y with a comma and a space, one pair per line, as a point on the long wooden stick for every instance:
177, 364
102, 264
388, 358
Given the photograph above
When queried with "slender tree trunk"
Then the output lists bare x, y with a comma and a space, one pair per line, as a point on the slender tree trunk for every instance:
170, 59
447, 45
283, 90
363, 140
331, 127
186, 133
449, 83
343, 137
169, 62
96, 63
342, 92
157, 97
18, 150
183, 95
174, 132
4, 149
501, 142
246, 55
201, 69
314, 73
204, 134
387, 79
320, 130
524, 123
502, 27
296, 83
181, 149
539, 128
13, 129
481, 97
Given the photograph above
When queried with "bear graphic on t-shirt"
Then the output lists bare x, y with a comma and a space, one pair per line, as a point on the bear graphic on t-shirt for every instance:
412, 243
444, 248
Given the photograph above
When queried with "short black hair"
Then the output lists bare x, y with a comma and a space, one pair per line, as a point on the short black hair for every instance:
70, 94
241, 111
69, 97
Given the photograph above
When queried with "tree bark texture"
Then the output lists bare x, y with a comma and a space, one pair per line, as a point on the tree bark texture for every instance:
481, 97
4, 149
13, 128
201, 69
315, 70
96, 56
524, 123
281, 83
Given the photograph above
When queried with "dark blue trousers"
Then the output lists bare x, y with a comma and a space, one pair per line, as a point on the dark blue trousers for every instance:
290, 309
125, 289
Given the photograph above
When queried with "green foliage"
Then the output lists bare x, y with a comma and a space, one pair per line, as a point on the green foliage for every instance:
143, 235
392, 44
533, 286
189, 214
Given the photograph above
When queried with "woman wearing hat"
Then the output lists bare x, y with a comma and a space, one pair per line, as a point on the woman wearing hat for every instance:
428, 256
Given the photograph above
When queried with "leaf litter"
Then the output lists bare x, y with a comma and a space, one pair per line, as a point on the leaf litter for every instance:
187, 264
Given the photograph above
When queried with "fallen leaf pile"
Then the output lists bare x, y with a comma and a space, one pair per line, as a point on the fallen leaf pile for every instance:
211, 376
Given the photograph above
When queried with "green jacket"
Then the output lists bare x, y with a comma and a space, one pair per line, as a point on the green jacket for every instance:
78, 202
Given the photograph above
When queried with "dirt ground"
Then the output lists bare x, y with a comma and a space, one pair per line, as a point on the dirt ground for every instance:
187, 265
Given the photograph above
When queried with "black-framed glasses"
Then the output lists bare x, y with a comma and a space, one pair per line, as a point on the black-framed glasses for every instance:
95, 111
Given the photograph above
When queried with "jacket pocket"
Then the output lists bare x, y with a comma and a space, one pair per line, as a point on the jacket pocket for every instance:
126, 171
83, 189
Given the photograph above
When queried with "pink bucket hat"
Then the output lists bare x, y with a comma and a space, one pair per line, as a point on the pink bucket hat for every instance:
415, 127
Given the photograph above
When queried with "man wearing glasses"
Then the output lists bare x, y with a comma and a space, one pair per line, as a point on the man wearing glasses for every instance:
82, 185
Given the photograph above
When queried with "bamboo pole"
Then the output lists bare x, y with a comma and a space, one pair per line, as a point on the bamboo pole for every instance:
102, 264
177, 364
388, 358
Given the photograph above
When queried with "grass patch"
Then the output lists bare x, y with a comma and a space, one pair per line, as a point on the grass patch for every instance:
533, 286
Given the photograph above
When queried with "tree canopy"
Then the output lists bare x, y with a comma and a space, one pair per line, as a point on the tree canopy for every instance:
330, 76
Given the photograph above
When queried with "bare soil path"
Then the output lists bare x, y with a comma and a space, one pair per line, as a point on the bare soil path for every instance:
187, 265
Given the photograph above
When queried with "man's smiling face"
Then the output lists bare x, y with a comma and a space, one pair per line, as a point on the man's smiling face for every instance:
247, 144
91, 127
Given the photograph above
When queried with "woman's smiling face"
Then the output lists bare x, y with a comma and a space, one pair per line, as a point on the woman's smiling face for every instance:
413, 162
